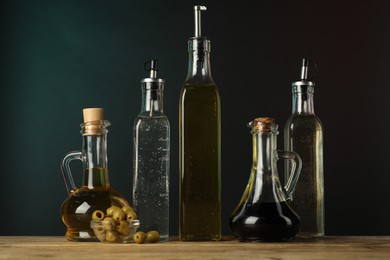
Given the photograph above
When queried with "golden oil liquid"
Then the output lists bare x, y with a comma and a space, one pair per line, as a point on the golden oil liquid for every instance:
77, 209
200, 163
303, 135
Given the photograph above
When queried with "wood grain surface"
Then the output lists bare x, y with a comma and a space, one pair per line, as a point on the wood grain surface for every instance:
37, 247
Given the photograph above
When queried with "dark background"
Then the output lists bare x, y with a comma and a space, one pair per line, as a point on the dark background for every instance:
58, 57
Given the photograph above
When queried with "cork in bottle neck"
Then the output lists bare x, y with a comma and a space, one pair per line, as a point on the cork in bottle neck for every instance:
264, 125
94, 124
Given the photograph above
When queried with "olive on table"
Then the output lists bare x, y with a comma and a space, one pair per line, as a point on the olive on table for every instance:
139, 237
152, 236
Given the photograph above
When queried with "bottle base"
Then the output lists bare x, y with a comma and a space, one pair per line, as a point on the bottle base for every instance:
310, 235
164, 238
81, 236
257, 239
264, 233
193, 237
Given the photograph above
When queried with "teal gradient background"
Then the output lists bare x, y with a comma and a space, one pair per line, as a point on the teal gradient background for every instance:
58, 57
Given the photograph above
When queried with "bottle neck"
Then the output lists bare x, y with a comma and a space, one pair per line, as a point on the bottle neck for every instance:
264, 146
263, 168
152, 102
199, 69
95, 161
303, 102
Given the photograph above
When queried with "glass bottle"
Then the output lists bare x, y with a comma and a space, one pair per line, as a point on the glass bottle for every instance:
263, 213
151, 157
303, 134
96, 192
200, 145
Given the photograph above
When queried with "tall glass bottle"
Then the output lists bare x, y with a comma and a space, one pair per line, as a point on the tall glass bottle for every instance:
96, 192
303, 135
151, 157
200, 145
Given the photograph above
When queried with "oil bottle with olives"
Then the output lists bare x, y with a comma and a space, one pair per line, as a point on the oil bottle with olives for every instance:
96, 192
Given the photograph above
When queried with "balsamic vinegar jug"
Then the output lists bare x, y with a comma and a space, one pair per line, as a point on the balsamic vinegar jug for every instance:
263, 213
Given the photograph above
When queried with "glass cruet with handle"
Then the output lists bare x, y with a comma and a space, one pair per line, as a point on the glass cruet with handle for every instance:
96, 192
263, 214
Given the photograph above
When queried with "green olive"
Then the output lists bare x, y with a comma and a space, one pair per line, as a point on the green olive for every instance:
98, 215
100, 232
123, 227
110, 211
152, 236
131, 215
139, 237
118, 215
112, 236
109, 223
127, 208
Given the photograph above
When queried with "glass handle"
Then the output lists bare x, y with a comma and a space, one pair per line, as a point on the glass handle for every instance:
296, 166
65, 169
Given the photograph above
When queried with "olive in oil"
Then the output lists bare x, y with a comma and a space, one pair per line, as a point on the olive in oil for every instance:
200, 163
95, 192
77, 209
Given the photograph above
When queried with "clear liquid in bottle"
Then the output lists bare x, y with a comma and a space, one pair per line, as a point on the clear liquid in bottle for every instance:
151, 191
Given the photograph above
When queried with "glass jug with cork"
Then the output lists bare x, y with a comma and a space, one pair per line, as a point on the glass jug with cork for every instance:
263, 213
96, 192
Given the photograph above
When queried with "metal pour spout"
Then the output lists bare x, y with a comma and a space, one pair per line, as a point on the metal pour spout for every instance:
197, 10
304, 69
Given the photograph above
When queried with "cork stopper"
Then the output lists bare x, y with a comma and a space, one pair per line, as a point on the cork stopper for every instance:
263, 125
92, 114
94, 124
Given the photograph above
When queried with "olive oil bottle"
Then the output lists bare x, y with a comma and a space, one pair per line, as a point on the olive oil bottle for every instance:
303, 134
96, 192
200, 145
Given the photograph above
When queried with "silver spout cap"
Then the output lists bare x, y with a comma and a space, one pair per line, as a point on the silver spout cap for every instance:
152, 82
198, 23
198, 42
304, 84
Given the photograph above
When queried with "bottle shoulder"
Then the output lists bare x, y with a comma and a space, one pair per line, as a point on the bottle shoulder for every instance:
304, 120
146, 121
199, 90
199, 80
156, 116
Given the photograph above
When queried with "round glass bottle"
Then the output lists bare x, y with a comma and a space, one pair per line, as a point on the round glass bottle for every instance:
96, 192
263, 213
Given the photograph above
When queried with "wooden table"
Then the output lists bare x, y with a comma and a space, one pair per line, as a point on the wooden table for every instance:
34, 247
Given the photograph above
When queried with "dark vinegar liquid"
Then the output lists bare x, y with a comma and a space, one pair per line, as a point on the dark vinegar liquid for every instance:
77, 209
265, 222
